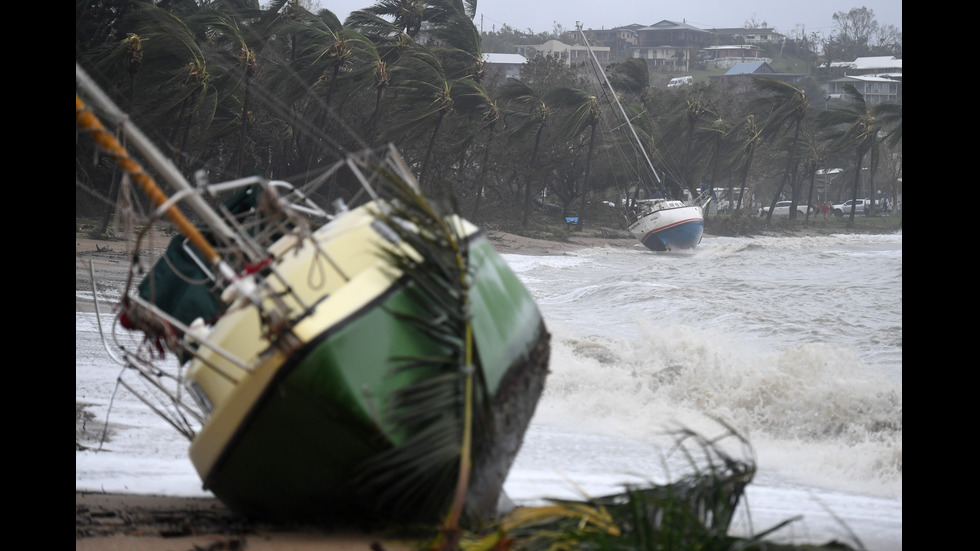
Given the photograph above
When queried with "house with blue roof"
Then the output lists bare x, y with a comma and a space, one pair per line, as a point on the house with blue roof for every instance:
740, 76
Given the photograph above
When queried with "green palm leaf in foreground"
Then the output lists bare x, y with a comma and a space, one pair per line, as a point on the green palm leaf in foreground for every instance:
446, 412
695, 512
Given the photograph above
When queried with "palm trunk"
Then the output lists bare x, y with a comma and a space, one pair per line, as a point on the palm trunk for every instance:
585, 182
423, 176
527, 184
243, 130
811, 167
784, 179
480, 178
871, 179
744, 177
854, 192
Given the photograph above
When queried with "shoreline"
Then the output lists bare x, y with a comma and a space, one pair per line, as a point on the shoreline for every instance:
140, 522
509, 243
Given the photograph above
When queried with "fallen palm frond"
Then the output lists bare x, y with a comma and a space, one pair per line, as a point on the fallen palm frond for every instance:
447, 410
694, 512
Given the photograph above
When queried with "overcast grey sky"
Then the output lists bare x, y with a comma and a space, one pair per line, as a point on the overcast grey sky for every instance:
541, 15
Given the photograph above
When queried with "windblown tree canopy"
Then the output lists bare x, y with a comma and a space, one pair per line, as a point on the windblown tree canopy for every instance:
858, 34
235, 89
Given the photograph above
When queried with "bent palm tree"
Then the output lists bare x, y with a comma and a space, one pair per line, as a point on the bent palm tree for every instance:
746, 133
426, 93
854, 125
789, 106
579, 111
533, 113
472, 98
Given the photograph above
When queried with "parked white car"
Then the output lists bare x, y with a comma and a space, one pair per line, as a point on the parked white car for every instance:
782, 209
844, 209
680, 81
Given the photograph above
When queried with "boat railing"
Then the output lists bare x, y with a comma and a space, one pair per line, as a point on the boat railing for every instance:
265, 212
236, 240
705, 197
268, 219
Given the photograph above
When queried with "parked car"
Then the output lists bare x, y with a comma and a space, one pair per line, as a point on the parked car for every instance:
680, 81
782, 209
844, 209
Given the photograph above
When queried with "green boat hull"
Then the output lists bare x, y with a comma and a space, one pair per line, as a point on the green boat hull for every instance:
298, 453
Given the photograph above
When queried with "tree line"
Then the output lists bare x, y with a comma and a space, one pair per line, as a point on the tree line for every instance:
236, 89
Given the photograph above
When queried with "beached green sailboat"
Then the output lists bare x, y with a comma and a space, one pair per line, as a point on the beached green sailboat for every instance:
379, 361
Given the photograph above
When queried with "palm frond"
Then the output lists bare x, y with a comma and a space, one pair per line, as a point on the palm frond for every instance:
579, 110
631, 76
695, 512
416, 478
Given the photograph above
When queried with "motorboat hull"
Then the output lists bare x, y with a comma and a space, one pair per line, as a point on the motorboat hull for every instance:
670, 229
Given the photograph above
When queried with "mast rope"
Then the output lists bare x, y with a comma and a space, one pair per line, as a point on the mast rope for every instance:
86, 120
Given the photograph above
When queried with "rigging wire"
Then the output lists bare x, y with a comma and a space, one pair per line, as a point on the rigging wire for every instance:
640, 174
330, 145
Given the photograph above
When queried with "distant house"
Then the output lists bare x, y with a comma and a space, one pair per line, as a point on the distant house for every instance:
669, 57
877, 78
503, 66
672, 33
569, 55
668, 44
875, 89
750, 68
740, 76
875, 65
729, 55
747, 36
619, 40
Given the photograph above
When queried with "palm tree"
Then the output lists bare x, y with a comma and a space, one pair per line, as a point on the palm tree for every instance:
787, 107
387, 20
473, 99
184, 98
164, 77
890, 115
579, 111
748, 135
381, 80
333, 59
426, 95
630, 77
532, 113
813, 157
718, 136
684, 130
457, 41
856, 125
237, 58
131, 52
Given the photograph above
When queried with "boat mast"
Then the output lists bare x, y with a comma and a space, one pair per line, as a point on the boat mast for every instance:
160, 163
578, 25
244, 286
